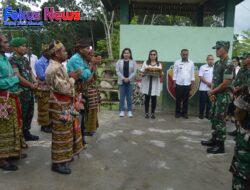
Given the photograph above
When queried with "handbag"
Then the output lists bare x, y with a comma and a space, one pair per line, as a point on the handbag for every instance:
5, 108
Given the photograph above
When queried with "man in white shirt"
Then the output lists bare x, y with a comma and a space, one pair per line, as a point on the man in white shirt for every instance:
206, 77
183, 82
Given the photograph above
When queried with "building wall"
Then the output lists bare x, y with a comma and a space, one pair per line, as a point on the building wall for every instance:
168, 41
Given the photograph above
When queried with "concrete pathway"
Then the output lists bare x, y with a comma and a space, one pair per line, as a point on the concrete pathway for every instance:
130, 154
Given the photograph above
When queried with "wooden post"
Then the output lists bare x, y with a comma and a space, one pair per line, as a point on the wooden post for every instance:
124, 11
229, 13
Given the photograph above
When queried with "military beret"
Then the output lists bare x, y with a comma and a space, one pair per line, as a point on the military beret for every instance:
220, 44
16, 42
245, 55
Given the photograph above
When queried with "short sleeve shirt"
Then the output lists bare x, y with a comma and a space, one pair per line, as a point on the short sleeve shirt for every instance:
206, 71
21, 64
223, 69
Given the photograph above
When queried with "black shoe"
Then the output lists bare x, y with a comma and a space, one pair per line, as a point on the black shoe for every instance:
201, 116
89, 134
43, 128
177, 115
233, 133
185, 116
29, 137
46, 128
152, 116
61, 168
146, 115
219, 148
22, 156
9, 167
210, 142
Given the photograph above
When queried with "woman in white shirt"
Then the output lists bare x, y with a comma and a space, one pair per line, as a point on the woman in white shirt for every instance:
151, 85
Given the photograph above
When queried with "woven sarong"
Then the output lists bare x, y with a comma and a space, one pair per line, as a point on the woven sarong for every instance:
66, 136
11, 135
91, 123
43, 107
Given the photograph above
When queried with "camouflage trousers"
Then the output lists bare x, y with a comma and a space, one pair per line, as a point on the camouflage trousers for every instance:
27, 105
218, 114
240, 166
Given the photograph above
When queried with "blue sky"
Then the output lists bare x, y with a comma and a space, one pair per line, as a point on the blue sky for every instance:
242, 17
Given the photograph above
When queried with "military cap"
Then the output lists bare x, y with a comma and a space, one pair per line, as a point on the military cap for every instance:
220, 44
19, 41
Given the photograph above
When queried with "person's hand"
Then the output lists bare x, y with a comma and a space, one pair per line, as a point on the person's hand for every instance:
236, 89
190, 93
211, 96
142, 74
209, 84
174, 84
33, 86
90, 79
95, 60
78, 73
126, 80
192, 85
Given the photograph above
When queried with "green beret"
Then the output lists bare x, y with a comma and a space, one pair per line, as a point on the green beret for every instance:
245, 55
220, 44
16, 42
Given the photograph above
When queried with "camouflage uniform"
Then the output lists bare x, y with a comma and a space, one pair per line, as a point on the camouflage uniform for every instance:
239, 78
240, 167
223, 69
21, 64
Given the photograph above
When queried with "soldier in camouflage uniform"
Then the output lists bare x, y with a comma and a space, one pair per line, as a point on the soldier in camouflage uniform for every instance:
237, 86
240, 167
220, 96
21, 67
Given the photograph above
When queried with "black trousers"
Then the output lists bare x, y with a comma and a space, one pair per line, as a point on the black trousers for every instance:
204, 104
153, 103
231, 109
182, 97
83, 125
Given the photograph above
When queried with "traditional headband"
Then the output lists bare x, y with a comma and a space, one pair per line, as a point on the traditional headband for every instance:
55, 46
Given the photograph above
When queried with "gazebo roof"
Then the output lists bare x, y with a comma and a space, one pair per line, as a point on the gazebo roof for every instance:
174, 7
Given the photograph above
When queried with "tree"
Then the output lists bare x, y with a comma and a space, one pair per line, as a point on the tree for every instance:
241, 43
96, 8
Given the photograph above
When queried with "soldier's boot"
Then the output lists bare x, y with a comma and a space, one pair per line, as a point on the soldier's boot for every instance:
210, 142
219, 148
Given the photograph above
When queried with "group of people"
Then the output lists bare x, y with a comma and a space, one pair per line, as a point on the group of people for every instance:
67, 98
224, 91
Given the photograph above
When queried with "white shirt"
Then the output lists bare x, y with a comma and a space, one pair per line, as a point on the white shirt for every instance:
206, 71
156, 82
183, 72
237, 68
33, 60
65, 64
